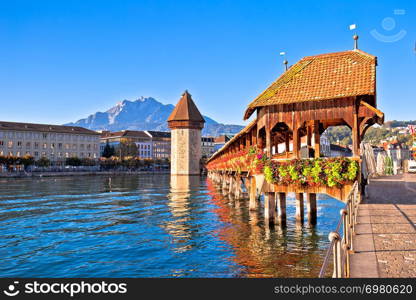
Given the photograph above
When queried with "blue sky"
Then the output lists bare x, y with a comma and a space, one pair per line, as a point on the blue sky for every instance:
63, 60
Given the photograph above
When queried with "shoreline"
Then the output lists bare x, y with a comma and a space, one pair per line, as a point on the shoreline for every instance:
86, 173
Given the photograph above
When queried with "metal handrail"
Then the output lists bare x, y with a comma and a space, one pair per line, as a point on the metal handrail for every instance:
329, 252
341, 246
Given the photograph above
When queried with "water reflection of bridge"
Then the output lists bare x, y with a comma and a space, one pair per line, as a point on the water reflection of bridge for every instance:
265, 251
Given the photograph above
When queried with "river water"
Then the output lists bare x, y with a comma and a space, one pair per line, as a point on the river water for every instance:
149, 226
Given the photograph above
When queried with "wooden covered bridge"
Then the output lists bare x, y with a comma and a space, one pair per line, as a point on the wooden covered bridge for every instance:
279, 151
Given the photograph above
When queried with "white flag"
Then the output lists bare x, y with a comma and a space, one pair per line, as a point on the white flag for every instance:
282, 53
353, 26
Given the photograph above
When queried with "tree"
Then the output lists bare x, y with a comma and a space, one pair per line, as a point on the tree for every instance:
73, 161
108, 150
88, 162
341, 134
43, 162
27, 160
126, 149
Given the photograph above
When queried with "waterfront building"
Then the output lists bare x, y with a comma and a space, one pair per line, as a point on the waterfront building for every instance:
325, 145
161, 144
54, 142
339, 150
221, 140
186, 123
150, 143
307, 150
141, 139
207, 146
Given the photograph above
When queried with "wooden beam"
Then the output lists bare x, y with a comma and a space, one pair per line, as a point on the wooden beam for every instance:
309, 136
268, 142
287, 142
355, 135
317, 139
296, 143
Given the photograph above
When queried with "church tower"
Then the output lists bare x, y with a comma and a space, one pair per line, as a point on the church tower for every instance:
186, 123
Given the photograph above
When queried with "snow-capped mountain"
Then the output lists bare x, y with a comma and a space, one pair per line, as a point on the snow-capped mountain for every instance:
145, 113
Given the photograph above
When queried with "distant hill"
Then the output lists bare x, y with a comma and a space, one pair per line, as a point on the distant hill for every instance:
395, 123
374, 135
145, 114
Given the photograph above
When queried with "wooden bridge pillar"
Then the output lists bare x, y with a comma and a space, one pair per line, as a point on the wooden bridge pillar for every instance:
231, 185
222, 182
299, 208
254, 200
270, 207
237, 187
311, 208
281, 208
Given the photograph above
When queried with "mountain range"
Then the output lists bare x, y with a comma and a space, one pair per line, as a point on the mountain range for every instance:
145, 113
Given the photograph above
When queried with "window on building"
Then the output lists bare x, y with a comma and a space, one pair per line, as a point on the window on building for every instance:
36, 153
27, 145
44, 146
43, 153
44, 136
1, 143
36, 145
59, 145
52, 145
10, 144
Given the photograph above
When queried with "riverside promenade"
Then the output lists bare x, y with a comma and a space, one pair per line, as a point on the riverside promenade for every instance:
385, 240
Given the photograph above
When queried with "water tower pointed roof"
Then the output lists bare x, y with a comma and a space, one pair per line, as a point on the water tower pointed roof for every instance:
186, 110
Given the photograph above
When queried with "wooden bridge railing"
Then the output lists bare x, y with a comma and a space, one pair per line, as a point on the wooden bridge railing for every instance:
341, 246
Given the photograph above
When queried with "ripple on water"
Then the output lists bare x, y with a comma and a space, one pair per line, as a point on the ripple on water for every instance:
145, 226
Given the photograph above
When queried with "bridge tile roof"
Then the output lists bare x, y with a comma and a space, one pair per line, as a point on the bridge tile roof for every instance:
321, 77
